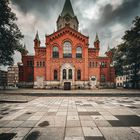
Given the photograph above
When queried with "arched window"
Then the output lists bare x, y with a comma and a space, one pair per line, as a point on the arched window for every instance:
67, 50
55, 75
37, 64
96, 64
64, 74
90, 64
70, 74
40, 64
78, 52
93, 64
43, 64
55, 52
79, 75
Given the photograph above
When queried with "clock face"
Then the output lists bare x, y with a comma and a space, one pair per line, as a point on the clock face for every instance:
67, 19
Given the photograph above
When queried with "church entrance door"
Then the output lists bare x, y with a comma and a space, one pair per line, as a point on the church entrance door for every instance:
67, 86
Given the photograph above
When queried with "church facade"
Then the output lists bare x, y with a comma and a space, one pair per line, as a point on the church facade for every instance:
66, 61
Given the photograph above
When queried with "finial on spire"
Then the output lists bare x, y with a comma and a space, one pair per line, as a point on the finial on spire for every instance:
97, 37
108, 49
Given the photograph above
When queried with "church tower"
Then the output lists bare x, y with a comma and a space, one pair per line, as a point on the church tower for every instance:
67, 17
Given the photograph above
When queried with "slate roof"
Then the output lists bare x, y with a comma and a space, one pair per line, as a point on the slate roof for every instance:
67, 9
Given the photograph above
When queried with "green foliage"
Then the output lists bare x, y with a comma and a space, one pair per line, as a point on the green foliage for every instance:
10, 35
128, 52
118, 63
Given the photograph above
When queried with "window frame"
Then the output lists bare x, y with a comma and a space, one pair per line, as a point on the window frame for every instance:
55, 75
78, 76
55, 52
79, 52
70, 74
64, 74
67, 50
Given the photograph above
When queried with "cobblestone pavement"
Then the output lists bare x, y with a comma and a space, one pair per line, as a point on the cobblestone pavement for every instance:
72, 118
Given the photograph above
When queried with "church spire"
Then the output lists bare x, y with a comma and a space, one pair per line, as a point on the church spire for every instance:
37, 36
37, 40
97, 37
67, 17
97, 42
67, 9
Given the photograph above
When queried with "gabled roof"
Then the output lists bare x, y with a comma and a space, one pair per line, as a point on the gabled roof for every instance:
69, 28
67, 9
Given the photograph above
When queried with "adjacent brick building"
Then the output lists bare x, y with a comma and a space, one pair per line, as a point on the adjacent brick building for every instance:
3, 79
13, 76
66, 61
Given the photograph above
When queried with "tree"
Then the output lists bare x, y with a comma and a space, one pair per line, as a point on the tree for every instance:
128, 53
119, 59
10, 35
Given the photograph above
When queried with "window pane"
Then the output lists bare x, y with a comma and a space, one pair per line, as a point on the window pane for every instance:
37, 64
79, 75
40, 64
55, 75
43, 64
64, 74
67, 50
55, 52
70, 73
78, 52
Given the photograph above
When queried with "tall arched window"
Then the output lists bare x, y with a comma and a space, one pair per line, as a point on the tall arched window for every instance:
70, 74
40, 64
64, 74
37, 64
67, 50
79, 75
55, 52
78, 52
55, 75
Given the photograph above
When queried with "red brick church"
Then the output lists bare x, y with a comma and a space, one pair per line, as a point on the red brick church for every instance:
66, 61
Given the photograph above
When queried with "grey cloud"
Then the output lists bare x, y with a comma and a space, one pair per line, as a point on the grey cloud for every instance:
122, 14
48, 10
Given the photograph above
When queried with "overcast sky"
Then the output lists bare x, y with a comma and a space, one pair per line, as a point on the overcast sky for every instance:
110, 18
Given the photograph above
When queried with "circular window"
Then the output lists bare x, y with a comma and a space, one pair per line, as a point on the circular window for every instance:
67, 19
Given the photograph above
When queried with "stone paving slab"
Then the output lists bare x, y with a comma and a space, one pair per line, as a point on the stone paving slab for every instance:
72, 118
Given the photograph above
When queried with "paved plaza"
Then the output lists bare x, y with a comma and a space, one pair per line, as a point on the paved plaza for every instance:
71, 118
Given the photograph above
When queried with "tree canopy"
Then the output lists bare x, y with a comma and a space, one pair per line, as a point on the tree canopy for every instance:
10, 34
128, 53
